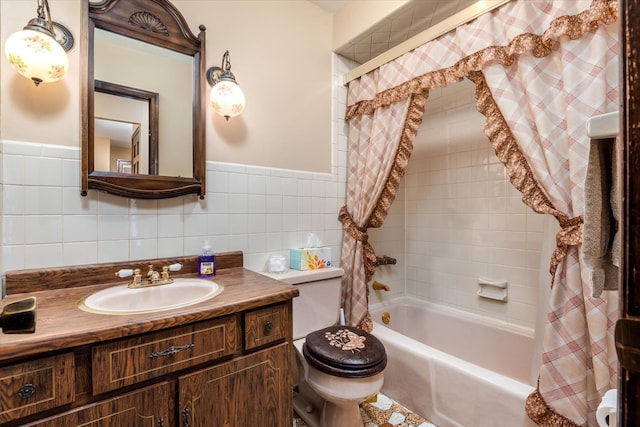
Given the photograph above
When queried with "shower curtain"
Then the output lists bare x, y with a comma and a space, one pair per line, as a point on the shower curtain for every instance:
541, 69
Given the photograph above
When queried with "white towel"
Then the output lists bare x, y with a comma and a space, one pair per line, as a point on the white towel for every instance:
600, 221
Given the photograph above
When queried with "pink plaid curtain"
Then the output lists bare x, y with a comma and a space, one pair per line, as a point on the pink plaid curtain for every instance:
378, 153
561, 91
542, 68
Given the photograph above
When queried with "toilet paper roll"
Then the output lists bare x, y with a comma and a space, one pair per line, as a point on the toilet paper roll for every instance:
608, 407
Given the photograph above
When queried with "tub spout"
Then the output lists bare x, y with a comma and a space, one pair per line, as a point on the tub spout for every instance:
377, 286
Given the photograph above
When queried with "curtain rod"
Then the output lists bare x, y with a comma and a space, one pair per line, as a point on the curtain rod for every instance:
451, 23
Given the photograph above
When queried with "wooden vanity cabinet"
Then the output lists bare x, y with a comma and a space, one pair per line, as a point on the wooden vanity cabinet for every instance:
230, 371
227, 362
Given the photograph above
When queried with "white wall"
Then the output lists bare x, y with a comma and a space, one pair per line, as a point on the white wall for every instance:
463, 218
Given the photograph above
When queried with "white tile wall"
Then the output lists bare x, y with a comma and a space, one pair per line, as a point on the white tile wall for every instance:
257, 210
462, 218
47, 223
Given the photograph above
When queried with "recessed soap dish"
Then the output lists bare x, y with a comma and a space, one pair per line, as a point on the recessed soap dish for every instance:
492, 289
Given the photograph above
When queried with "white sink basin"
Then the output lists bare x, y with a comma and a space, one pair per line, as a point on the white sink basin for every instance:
123, 300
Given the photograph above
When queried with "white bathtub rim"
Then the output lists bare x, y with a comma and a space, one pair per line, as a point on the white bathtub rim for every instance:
457, 312
413, 346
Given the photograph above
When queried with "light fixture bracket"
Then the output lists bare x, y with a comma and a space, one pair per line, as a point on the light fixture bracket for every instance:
222, 73
43, 24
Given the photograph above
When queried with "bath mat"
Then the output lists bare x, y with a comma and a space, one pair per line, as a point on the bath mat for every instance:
384, 412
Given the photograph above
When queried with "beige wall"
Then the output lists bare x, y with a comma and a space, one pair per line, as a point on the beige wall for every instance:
280, 55
49, 113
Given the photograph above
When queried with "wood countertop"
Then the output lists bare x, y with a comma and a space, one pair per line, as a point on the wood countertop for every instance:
61, 324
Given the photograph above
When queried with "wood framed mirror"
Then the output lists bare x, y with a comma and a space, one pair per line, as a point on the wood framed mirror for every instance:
143, 51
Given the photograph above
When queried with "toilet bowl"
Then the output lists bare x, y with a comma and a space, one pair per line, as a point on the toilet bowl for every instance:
338, 366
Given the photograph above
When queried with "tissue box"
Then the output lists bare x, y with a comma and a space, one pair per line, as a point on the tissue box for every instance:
310, 258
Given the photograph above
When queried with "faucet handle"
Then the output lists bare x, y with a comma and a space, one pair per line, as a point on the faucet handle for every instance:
125, 272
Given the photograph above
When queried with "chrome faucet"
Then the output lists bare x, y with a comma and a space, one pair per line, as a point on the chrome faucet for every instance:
154, 278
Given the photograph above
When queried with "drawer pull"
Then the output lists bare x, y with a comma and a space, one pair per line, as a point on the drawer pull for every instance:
171, 350
185, 418
26, 391
268, 327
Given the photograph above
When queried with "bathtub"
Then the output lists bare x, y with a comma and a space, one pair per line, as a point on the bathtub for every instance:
454, 368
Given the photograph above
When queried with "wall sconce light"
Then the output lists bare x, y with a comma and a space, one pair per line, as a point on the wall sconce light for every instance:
226, 96
35, 52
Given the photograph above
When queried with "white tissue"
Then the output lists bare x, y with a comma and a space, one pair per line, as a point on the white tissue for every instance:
313, 241
608, 407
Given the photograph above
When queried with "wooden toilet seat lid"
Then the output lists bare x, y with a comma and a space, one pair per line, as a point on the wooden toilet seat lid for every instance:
345, 351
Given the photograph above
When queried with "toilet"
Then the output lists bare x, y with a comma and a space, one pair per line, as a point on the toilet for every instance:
338, 366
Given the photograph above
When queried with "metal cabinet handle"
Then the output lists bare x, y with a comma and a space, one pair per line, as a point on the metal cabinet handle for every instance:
26, 391
171, 350
185, 418
268, 326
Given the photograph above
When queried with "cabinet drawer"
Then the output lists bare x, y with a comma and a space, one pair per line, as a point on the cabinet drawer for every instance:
266, 325
31, 387
128, 361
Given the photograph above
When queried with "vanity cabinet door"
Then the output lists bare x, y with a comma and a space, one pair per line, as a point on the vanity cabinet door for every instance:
253, 390
31, 387
148, 407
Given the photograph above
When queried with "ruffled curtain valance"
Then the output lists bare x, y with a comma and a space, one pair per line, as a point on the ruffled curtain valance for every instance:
452, 57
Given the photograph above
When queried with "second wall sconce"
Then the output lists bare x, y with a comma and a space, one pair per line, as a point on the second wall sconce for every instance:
226, 96
35, 52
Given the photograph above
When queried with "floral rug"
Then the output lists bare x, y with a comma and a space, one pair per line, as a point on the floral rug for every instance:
383, 412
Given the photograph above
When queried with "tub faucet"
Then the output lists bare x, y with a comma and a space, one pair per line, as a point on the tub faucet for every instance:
377, 286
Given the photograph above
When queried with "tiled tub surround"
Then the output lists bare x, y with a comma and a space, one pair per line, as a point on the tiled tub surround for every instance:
259, 210
461, 219
458, 369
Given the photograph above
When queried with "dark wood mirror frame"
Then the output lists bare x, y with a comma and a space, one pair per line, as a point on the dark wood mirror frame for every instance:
157, 22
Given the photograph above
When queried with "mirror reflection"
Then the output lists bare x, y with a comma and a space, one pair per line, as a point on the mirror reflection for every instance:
145, 68
115, 143
125, 125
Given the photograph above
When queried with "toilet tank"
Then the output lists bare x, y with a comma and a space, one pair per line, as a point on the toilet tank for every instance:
318, 305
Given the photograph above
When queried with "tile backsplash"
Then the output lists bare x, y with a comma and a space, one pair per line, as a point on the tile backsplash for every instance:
46, 222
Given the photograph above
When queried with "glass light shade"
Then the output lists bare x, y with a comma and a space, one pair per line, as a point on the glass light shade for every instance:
227, 99
37, 56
